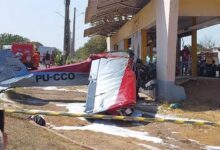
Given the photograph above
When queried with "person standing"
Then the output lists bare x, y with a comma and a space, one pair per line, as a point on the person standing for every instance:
214, 69
185, 53
47, 60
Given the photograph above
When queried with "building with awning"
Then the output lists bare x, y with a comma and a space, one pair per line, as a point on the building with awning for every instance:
141, 25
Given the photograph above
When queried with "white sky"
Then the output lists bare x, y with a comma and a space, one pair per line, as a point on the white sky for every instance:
212, 32
38, 20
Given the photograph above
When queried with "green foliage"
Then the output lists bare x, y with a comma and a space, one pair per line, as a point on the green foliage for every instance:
95, 45
71, 60
57, 51
8, 39
58, 57
82, 53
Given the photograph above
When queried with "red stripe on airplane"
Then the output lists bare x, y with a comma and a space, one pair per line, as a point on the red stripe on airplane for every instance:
83, 67
127, 92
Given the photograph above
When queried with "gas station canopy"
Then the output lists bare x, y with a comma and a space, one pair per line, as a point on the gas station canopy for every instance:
107, 16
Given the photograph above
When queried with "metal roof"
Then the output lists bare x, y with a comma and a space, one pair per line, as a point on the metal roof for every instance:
107, 16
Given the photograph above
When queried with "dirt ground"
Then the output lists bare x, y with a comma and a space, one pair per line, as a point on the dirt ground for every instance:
22, 135
203, 100
203, 93
174, 136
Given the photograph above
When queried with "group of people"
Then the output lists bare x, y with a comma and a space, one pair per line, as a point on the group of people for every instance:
48, 59
208, 70
203, 68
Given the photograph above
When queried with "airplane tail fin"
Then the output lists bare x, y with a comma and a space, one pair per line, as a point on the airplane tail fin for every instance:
10, 66
112, 86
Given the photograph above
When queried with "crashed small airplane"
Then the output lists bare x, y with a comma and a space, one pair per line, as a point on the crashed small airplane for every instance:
109, 76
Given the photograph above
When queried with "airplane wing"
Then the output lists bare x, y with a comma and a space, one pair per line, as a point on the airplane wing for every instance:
16, 79
14, 74
11, 69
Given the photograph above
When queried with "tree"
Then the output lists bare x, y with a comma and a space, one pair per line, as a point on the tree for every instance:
82, 53
208, 42
8, 39
199, 47
95, 45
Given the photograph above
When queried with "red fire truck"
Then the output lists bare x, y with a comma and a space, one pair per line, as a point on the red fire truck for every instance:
27, 53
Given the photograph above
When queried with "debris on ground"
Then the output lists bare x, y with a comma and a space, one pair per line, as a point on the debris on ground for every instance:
109, 135
38, 119
175, 106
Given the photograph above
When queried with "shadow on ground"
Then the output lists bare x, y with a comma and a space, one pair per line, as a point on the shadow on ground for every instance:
32, 100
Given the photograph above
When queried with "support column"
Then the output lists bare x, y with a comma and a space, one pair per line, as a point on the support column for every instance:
126, 44
166, 26
194, 50
137, 44
110, 45
178, 54
178, 47
143, 45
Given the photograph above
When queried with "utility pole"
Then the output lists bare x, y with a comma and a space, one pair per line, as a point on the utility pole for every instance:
66, 44
73, 36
